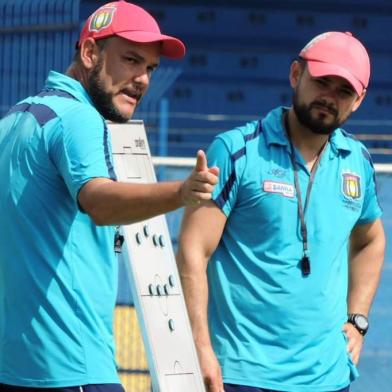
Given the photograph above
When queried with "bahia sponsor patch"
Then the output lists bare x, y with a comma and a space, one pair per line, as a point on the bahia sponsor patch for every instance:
282, 188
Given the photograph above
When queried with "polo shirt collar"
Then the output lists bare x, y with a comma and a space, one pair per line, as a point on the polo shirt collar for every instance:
276, 134
274, 127
58, 81
339, 141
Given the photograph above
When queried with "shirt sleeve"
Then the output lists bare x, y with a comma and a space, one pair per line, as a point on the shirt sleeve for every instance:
371, 209
222, 154
81, 149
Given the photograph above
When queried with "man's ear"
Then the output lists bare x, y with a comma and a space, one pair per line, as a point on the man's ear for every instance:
295, 73
359, 100
89, 53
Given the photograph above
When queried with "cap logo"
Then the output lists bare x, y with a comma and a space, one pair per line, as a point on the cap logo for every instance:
351, 185
102, 18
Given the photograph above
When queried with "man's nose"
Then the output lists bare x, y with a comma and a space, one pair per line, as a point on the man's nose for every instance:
143, 79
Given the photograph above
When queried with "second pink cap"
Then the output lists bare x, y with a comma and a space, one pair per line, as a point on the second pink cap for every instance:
338, 54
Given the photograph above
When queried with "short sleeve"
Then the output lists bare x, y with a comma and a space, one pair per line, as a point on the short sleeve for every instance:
81, 148
221, 153
371, 209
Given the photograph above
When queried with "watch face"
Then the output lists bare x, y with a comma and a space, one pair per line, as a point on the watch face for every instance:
361, 321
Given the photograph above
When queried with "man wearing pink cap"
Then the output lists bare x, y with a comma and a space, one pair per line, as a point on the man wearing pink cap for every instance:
60, 203
279, 289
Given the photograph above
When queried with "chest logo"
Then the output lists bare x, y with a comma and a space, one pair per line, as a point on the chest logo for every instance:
282, 188
351, 185
277, 172
102, 18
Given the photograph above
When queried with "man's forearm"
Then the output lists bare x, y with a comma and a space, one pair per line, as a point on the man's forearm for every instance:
364, 278
195, 289
201, 231
365, 269
115, 203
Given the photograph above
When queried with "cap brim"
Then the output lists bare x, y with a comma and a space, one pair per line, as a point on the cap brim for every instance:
318, 69
171, 47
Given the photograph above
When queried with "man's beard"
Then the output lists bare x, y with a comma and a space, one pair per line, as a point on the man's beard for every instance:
103, 101
316, 125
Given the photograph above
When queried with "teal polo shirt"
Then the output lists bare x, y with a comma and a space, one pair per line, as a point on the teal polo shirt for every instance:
271, 326
58, 272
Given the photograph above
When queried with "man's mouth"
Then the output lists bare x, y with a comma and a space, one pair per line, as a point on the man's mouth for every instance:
131, 96
325, 108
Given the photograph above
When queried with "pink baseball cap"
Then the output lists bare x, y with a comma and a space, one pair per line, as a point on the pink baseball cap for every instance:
131, 22
338, 54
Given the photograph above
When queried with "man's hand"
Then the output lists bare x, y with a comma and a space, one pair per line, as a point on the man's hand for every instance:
355, 341
211, 370
200, 184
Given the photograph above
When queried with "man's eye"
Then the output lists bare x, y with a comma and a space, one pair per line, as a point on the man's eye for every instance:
348, 93
321, 82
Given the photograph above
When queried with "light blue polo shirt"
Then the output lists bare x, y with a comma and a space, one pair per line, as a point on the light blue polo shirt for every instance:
272, 327
58, 272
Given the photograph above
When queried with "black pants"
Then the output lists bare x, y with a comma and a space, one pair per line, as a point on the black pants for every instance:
244, 388
80, 388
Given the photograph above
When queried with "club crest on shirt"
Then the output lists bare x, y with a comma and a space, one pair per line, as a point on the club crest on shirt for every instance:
282, 188
351, 185
102, 18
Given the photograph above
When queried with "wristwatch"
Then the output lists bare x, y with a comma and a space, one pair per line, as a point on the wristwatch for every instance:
360, 322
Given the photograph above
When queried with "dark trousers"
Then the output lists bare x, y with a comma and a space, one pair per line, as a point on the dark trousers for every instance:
244, 388
80, 388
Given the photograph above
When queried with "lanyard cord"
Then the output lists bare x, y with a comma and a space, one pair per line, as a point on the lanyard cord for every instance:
305, 262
